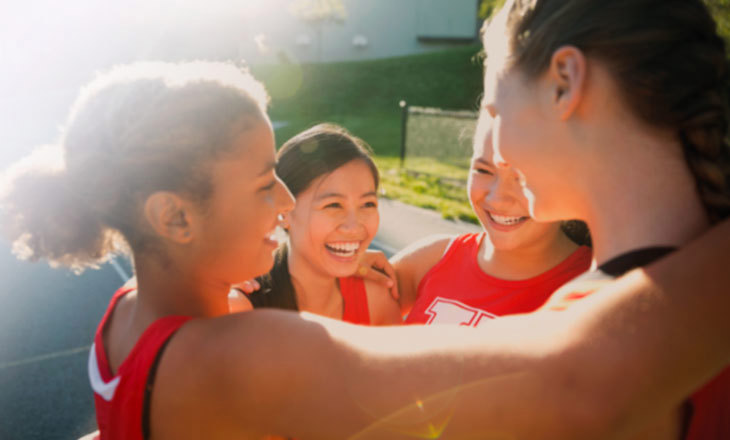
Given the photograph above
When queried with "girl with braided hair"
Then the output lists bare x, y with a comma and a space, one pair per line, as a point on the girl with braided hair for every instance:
616, 113
176, 163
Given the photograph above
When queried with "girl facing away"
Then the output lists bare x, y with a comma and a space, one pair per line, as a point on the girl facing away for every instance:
512, 267
176, 163
334, 180
627, 111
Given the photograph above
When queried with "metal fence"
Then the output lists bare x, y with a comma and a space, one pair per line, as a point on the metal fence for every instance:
437, 142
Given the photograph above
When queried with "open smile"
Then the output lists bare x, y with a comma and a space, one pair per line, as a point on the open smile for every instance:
505, 222
343, 249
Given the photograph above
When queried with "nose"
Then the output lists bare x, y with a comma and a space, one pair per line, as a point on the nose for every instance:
351, 222
503, 188
284, 198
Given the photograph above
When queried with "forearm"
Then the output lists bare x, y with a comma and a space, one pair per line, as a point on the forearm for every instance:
628, 352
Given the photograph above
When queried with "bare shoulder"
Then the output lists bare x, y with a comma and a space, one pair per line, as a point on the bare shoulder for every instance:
233, 375
428, 249
383, 308
412, 263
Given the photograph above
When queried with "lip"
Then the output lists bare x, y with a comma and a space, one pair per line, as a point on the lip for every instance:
269, 240
499, 227
342, 259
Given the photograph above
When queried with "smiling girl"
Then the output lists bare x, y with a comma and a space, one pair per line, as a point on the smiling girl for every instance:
175, 162
512, 267
335, 182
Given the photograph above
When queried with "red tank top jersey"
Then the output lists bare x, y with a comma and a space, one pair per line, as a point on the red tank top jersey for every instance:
457, 291
355, 301
120, 398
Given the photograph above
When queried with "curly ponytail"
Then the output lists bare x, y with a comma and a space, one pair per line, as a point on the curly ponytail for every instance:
138, 129
44, 217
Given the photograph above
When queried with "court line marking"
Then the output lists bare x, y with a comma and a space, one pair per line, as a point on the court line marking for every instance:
385, 248
120, 270
45, 357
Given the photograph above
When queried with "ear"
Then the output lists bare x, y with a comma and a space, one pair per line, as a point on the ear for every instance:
567, 75
169, 215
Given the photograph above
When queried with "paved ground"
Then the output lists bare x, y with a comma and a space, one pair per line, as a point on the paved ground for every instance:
401, 225
48, 317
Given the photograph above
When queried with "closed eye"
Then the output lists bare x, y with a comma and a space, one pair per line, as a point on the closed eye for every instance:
269, 186
483, 171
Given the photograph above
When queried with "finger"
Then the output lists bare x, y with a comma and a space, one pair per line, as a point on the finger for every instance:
372, 274
379, 276
247, 287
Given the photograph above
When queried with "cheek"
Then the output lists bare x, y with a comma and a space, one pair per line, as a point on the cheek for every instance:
316, 230
372, 223
475, 189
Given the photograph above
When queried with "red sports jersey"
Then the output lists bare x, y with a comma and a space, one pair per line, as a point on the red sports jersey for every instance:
457, 291
120, 398
355, 300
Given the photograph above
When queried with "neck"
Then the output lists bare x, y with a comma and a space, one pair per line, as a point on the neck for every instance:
316, 292
165, 290
527, 261
652, 201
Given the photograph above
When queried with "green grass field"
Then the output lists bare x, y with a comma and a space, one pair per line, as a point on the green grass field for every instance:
364, 96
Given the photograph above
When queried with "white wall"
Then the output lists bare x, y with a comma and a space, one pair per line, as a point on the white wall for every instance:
390, 27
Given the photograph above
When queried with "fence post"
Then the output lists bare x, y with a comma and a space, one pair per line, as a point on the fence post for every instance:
403, 129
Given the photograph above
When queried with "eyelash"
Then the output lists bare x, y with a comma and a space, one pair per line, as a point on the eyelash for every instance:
483, 171
338, 205
269, 187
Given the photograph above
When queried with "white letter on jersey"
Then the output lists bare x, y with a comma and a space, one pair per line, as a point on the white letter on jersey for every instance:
453, 312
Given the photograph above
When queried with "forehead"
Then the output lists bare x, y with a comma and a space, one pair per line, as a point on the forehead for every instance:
483, 137
353, 177
252, 153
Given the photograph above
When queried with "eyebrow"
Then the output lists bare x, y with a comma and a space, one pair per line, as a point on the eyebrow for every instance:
484, 161
270, 166
338, 195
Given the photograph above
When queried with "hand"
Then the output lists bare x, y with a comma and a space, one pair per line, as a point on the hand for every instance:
374, 266
248, 287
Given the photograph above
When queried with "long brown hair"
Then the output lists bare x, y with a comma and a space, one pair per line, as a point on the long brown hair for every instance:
137, 129
665, 56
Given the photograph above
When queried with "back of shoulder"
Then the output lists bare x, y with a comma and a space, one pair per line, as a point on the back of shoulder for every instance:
425, 252
413, 263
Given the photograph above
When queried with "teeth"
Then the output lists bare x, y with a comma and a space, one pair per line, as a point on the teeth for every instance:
505, 220
344, 248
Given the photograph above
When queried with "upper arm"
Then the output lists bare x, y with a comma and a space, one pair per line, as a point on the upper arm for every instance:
412, 263
246, 375
384, 310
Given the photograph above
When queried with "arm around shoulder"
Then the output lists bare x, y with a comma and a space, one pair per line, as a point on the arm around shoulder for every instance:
412, 263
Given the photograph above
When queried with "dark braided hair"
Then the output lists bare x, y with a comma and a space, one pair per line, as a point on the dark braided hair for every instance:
666, 58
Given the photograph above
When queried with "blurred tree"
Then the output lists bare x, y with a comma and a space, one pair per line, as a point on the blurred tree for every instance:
318, 13
488, 7
721, 11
